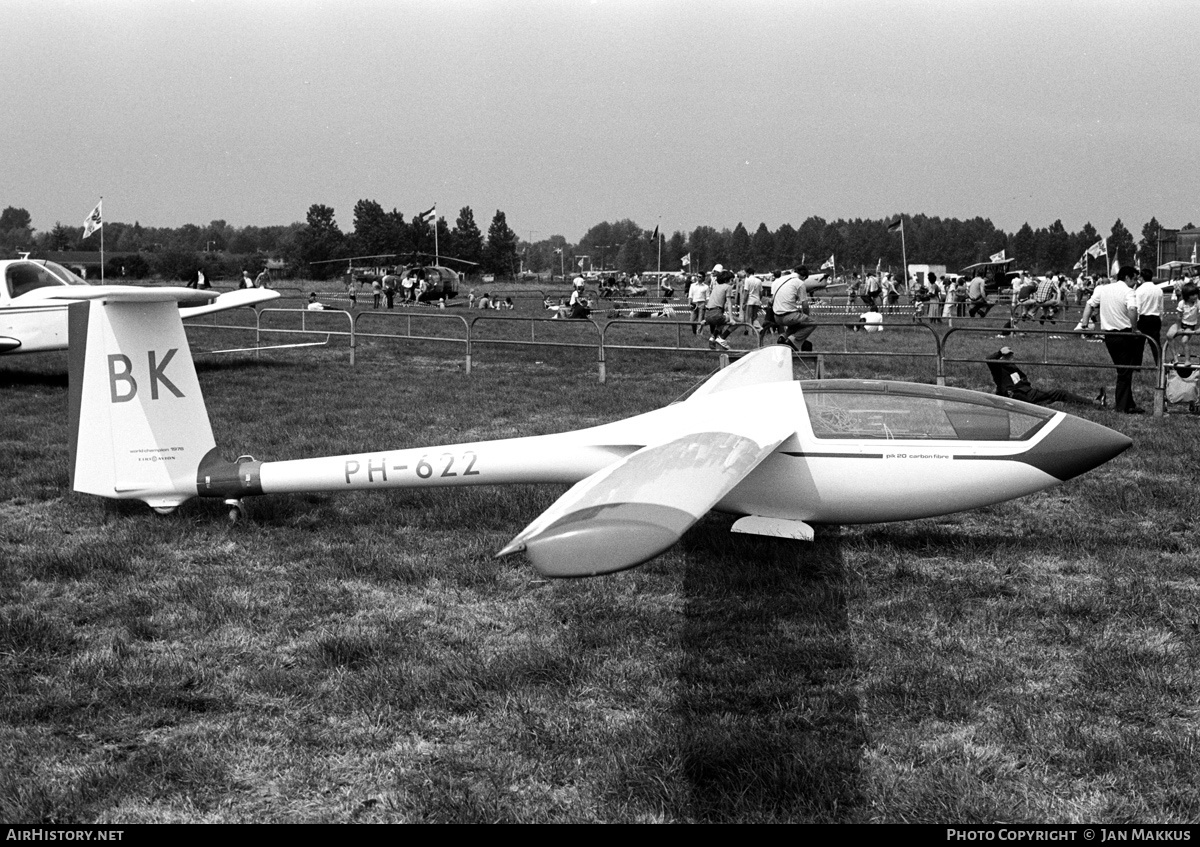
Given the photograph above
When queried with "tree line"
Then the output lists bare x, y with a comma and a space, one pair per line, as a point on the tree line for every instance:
854, 245
319, 248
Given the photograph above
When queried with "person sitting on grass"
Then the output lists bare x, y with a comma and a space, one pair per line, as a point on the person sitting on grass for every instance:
315, 305
1012, 382
667, 310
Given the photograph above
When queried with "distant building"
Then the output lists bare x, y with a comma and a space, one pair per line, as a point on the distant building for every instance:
1178, 245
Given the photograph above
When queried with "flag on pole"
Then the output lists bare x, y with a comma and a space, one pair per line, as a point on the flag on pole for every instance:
686, 260
558, 250
997, 257
828, 262
654, 237
896, 225
93, 221
1097, 250
1079, 265
580, 263
427, 215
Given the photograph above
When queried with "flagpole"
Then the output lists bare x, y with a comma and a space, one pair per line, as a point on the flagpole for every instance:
903, 254
102, 239
436, 258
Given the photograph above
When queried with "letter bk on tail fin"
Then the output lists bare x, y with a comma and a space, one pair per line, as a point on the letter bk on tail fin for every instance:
139, 425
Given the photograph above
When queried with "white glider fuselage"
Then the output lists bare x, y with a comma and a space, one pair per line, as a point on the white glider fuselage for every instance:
806, 478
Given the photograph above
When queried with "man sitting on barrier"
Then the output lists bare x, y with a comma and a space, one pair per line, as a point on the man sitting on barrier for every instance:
716, 311
1012, 382
977, 297
791, 311
580, 308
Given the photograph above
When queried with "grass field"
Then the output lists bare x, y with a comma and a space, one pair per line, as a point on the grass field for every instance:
363, 657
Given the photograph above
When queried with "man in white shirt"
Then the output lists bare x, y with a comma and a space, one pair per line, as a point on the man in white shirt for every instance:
697, 298
752, 289
1117, 306
1149, 299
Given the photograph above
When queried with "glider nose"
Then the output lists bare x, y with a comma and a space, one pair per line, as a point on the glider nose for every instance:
1075, 446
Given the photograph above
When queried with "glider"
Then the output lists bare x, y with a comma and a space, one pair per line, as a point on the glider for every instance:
34, 294
750, 440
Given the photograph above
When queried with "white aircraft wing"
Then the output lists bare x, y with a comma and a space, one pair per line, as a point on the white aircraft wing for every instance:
638, 507
231, 300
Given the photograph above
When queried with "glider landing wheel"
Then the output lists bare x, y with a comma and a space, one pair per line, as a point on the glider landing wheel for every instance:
237, 511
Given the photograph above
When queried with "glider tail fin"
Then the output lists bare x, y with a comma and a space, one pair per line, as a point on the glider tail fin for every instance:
139, 426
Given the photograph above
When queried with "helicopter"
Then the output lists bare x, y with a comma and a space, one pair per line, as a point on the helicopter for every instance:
422, 282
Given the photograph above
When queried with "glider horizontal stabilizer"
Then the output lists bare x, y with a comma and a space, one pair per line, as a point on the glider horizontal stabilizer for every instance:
130, 294
232, 300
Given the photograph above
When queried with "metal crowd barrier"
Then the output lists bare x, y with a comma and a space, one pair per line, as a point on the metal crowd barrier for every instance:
372, 324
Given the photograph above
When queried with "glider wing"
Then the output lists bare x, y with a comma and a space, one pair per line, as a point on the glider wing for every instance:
635, 509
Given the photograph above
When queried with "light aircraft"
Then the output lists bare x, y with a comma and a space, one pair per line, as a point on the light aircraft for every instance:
749, 440
34, 294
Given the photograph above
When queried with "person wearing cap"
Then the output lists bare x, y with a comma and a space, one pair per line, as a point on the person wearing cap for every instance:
1012, 382
790, 308
1117, 306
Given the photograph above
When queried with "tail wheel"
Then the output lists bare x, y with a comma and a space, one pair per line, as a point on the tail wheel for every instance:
237, 511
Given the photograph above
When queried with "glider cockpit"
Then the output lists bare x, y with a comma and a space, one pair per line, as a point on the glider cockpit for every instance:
857, 409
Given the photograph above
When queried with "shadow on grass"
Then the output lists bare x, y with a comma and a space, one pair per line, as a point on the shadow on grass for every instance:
765, 724
49, 378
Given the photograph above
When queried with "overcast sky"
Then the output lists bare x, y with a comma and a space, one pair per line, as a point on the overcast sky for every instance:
565, 113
